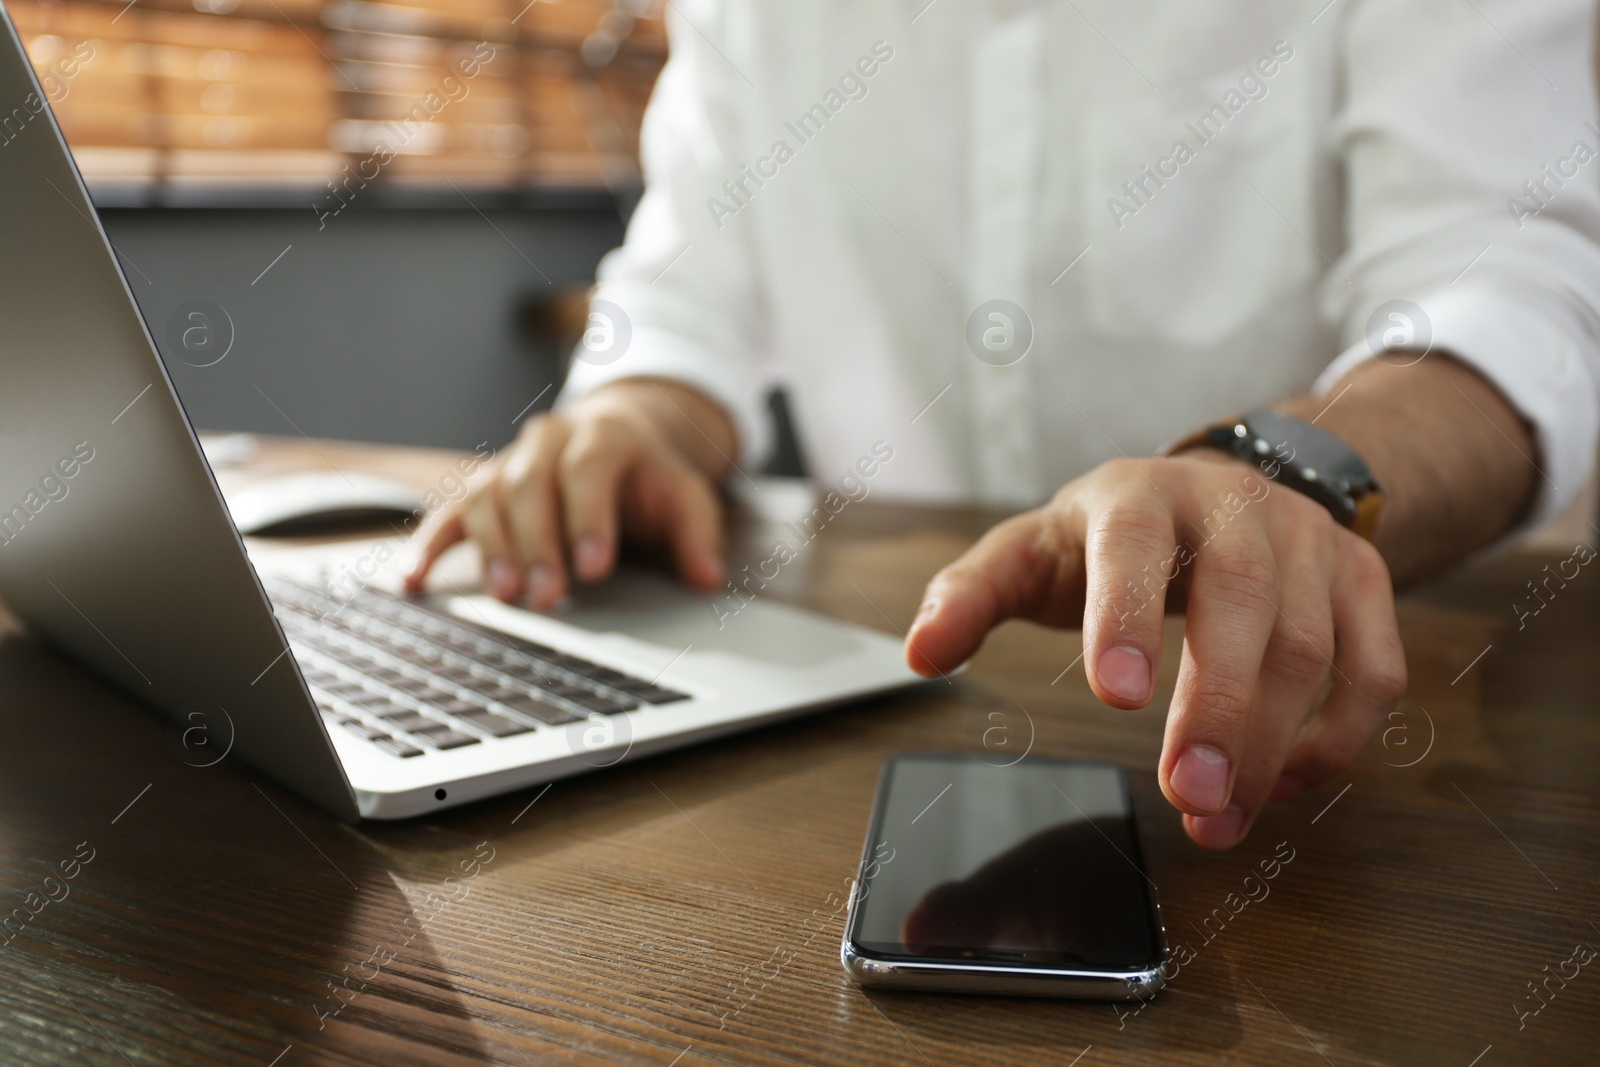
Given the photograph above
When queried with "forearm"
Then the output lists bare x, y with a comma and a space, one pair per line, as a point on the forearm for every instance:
1455, 461
696, 425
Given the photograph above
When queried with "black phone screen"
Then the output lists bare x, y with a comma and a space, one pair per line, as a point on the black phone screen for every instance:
1032, 864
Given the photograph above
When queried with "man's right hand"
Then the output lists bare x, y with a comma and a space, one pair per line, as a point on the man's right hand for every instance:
633, 460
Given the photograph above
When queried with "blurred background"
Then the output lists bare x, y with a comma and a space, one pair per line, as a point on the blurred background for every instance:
385, 217
365, 220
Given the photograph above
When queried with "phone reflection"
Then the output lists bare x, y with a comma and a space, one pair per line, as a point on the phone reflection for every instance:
1058, 891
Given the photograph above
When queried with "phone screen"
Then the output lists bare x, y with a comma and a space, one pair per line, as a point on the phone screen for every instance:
1032, 864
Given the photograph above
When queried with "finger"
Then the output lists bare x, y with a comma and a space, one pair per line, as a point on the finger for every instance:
1369, 680
527, 489
485, 524
590, 470
1232, 606
1131, 556
1030, 565
1296, 665
443, 529
695, 527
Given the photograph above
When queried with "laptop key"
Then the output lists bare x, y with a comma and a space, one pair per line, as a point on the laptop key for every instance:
535, 708
397, 649
409, 721
377, 605
536, 673
607, 676
492, 723
654, 694
603, 705
366, 698
362, 730
396, 747
444, 737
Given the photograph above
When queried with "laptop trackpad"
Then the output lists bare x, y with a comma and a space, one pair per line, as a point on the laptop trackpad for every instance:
647, 606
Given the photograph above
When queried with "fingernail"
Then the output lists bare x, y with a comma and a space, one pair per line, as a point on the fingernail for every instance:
1288, 788
712, 563
543, 587
1124, 672
925, 612
1200, 778
1220, 831
590, 557
502, 579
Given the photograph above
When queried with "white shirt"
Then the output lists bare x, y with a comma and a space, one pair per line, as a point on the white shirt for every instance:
1199, 208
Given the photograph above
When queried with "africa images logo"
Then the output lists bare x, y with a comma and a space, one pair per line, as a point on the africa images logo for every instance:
201, 734
999, 333
200, 333
600, 740
1400, 332
606, 335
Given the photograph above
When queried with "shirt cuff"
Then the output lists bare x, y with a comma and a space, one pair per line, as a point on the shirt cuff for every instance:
1535, 365
657, 353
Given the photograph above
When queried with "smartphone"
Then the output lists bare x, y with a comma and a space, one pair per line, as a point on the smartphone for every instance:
1024, 880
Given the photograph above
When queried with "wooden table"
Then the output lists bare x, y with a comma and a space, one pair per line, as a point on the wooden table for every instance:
633, 916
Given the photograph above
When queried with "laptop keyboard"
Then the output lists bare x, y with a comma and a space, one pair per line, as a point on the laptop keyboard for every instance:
410, 679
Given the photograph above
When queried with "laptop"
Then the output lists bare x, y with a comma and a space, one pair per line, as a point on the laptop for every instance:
117, 548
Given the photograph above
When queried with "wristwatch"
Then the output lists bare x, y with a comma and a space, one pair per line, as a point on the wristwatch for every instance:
1301, 456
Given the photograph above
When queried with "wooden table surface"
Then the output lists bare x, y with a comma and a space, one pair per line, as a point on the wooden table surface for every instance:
682, 909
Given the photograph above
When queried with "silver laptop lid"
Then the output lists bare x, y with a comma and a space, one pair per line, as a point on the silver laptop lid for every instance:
115, 545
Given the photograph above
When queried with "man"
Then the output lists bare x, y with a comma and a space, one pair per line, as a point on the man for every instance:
1020, 240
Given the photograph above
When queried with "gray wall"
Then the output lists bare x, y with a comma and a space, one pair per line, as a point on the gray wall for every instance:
402, 324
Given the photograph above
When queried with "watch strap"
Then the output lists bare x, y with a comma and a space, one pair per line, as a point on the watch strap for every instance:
1343, 483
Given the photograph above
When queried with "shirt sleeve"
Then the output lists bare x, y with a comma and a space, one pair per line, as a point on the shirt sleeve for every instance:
684, 278
1472, 157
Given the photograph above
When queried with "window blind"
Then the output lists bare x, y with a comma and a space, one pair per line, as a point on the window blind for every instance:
293, 95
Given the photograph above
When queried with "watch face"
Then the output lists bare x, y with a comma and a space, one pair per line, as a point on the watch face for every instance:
1309, 452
